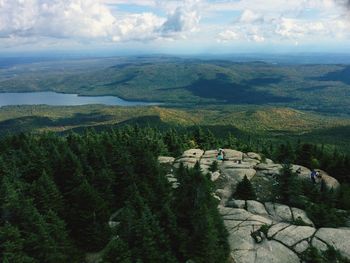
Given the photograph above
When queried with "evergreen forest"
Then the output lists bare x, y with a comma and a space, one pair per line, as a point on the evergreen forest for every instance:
68, 198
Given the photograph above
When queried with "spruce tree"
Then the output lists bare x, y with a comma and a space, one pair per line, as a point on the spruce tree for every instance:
46, 194
87, 217
203, 236
245, 190
11, 246
117, 251
288, 188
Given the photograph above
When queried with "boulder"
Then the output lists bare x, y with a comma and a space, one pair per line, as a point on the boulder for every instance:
292, 234
274, 252
196, 153
251, 162
211, 154
243, 256
269, 169
268, 161
298, 213
236, 165
166, 160
274, 229
216, 197
207, 161
236, 204
238, 174
305, 173
255, 207
338, 238
320, 245
189, 162
243, 217
233, 155
186, 160
224, 193
172, 180
329, 180
284, 241
301, 171
301, 246
215, 176
279, 212
254, 156
244, 249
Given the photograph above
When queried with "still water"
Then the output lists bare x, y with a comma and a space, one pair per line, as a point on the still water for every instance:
60, 99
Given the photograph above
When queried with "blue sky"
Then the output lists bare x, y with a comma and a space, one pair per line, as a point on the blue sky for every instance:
174, 26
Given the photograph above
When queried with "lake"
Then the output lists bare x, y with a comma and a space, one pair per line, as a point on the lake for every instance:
60, 99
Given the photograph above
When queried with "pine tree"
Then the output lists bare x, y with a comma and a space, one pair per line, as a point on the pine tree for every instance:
173, 143
214, 166
245, 190
304, 155
289, 187
140, 228
203, 236
21, 212
117, 251
87, 217
11, 246
56, 228
285, 153
46, 194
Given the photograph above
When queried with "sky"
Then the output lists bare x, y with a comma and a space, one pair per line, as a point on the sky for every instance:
174, 26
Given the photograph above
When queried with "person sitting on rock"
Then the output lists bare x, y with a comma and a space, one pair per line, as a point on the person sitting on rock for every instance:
221, 154
313, 176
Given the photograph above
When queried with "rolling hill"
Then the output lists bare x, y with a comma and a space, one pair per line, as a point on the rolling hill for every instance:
190, 82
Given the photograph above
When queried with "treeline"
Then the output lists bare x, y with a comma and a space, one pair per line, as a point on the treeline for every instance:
61, 197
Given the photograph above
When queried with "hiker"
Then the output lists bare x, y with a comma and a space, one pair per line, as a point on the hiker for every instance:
313, 176
221, 155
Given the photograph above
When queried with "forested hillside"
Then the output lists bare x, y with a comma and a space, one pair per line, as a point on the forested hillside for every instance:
58, 194
104, 194
258, 123
190, 82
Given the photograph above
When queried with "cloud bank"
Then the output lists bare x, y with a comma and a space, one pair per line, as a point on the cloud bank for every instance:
144, 21
292, 21
89, 19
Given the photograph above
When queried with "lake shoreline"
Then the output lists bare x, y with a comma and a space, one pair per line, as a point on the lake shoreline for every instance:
53, 98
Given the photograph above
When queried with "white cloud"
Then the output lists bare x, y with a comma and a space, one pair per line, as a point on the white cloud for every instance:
104, 21
228, 35
288, 21
185, 18
248, 16
137, 27
91, 20
55, 18
16, 16
132, 2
